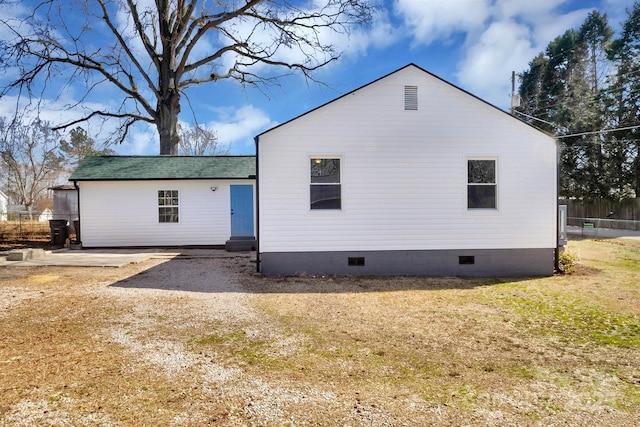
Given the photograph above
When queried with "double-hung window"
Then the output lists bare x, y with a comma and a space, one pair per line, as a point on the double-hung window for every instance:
482, 184
325, 191
168, 205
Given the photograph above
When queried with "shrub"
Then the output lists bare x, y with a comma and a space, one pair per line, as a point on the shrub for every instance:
568, 261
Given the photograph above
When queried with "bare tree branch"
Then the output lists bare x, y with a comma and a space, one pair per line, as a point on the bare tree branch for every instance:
128, 46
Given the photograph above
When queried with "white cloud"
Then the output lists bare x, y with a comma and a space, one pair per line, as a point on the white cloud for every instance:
516, 33
500, 36
486, 70
432, 20
142, 137
236, 127
618, 11
142, 140
380, 34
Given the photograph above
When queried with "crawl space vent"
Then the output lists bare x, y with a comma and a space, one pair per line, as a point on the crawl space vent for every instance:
356, 261
466, 260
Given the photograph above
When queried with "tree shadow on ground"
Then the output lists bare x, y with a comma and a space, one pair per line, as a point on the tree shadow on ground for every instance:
238, 274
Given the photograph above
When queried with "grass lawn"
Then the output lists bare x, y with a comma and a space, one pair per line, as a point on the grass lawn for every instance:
114, 347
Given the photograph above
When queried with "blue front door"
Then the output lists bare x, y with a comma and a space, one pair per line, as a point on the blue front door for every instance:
241, 210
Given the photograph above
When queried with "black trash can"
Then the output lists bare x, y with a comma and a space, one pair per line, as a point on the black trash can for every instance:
59, 231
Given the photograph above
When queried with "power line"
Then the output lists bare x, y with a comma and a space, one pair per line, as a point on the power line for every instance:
595, 132
598, 131
534, 118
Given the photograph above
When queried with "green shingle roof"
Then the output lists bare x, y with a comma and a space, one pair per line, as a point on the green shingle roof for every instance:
127, 168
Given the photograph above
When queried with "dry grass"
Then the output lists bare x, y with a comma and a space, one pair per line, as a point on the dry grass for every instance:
24, 234
23, 229
219, 345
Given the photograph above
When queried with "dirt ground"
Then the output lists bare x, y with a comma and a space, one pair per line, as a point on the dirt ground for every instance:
207, 341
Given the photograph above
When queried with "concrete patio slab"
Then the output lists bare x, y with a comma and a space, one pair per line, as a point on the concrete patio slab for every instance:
111, 257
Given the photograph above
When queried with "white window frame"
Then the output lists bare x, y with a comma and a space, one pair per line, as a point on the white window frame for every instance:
310, 184
495, 184
171, 206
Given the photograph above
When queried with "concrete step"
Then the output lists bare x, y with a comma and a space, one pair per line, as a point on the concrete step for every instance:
26, 254
240, 244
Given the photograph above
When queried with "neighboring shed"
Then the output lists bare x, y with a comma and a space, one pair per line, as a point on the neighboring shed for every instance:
165, 200
408, 175
65, 203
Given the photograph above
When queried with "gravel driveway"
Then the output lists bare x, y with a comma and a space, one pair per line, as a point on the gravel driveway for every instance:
200, 339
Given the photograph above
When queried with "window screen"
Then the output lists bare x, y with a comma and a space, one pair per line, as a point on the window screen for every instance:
167, 205
326, 191
481, 184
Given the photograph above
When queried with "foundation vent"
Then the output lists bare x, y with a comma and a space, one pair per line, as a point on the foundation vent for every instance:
356, 261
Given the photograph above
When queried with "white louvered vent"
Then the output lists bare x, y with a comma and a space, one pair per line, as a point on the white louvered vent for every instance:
411, 97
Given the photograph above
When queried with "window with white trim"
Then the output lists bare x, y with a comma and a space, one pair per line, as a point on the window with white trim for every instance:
482, 184
325, 187
168, 205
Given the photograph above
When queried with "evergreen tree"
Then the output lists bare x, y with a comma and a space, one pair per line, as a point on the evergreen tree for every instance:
79, 146
623, 105
560, 94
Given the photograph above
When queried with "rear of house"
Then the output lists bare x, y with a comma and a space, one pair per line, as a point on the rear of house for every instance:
406, 175
165, 200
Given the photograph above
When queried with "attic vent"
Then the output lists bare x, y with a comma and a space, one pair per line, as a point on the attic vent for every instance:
411, 97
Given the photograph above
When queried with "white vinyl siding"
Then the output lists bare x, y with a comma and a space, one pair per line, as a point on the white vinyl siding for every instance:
407, 174
125, 213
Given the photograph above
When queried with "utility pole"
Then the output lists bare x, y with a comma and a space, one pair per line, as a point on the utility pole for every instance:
514, 101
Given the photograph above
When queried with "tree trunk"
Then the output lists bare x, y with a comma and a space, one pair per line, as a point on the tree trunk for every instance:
168, 78
167, 123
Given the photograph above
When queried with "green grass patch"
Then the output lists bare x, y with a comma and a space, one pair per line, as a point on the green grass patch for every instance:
571, 320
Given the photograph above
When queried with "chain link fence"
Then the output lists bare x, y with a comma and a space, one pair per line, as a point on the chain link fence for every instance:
623, 215
19, 226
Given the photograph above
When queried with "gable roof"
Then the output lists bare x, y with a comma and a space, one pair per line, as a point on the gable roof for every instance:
136, 168
410, 65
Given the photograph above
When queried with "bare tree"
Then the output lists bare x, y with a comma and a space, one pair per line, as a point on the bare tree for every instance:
30, 159
152, 52
200, 141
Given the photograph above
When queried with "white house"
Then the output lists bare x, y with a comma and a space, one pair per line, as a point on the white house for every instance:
4, 206
165, 200
45, 215
407, 175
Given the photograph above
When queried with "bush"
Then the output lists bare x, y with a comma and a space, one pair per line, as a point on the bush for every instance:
568, 261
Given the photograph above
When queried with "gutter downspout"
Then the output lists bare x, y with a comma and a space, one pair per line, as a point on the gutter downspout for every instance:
257, 205
557, 250
78, 231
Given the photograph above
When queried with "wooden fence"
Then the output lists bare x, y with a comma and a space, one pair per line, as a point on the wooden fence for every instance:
623, 215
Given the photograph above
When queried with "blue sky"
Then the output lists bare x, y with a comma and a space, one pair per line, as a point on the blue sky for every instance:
474, 44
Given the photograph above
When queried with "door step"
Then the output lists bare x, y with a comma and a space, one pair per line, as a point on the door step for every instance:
240, 244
